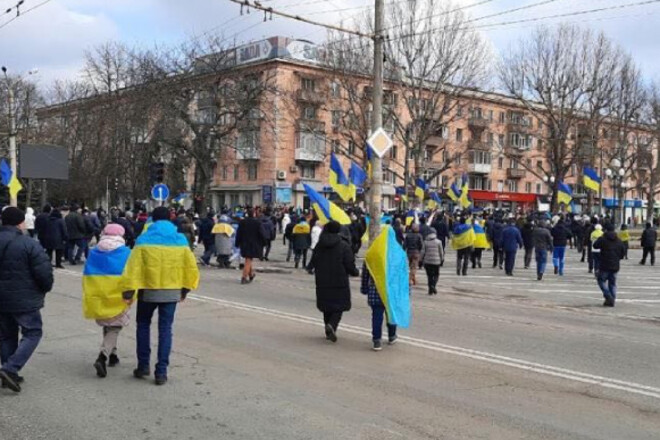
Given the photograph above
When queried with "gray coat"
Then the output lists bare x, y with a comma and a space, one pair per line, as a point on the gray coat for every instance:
223, 244
432, 251
542, 239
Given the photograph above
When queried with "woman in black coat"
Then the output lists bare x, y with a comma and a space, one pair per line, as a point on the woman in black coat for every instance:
251, 239
55, 237
333, 262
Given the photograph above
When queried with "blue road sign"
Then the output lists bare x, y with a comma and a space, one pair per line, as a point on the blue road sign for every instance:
160, 192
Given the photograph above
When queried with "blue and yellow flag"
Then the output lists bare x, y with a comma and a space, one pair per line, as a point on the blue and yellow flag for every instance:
325, 209
420, 188
338, 180
464, 199
357, 177
223, 228
480, 239
387, 264
161, 260
370, 155
102, 294
434, 201
9, 179
454, 193
411, 217
401, 191
591, 179
463, 236
565, 195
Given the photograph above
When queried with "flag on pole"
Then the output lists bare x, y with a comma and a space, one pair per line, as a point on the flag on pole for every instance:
420, 188
565, 195
338, 180
434, 201
401, 191
9, 179
591, 179
454, 192
465, 192
370, 155
325, 209
411, 217
357, 177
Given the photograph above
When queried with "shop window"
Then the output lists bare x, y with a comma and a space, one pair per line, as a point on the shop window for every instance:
236, 171
252, 171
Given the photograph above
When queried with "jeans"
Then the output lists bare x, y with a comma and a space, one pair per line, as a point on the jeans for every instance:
648, 251
509, 261
462, 260
209, 250
432, 274
498, 256
528, 256
58, 256
71, 246
332, 318
541, 261
595, 258
609, 289
558, 258
267, 249
145, 312
289, 251
14, 354
301, 253
476, 257
377, 315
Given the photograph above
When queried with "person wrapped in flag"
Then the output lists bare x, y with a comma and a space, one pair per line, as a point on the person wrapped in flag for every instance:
480, 243
102, 293
462, 242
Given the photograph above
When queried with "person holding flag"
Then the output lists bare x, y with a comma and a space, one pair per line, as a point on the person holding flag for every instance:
420, 189
357, 178
462, 241
338, 180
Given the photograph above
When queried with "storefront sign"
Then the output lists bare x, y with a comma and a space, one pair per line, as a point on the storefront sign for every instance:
267, 194
502, 196
253, 52
283, 196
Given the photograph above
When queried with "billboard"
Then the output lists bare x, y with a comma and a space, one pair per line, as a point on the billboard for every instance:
37, 161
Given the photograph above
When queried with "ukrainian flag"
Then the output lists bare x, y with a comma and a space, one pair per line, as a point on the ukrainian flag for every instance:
102, 294
463, 237
223, 228
411, 217
325, 209
401, 191
9, 179
435, 201
420, 188
454, 193
357, 177
161, 259
370, 155
480, 239
387, 264
591, 179
565, 195
465, 193
338, 180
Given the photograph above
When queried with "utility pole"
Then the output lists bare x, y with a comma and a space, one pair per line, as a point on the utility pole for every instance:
13, 200
376, 187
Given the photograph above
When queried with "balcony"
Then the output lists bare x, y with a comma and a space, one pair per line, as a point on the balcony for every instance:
514, 151
310, 147
248, 153
478, 145
480, 168
515, 173
309, 155
433, 165
519, 127
248, 124
311, 96
478, 122
312, 125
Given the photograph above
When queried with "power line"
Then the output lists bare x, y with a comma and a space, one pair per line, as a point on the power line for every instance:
24, 12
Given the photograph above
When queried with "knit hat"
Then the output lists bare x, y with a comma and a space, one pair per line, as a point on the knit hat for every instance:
609, 227
332, 227
598, 227
114, 229
12, 216
160, 213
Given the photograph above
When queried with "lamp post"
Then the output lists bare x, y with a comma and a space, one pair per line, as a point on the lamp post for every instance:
616, 174
549, 181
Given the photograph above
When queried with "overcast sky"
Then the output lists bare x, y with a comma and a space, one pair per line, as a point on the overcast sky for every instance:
54, 36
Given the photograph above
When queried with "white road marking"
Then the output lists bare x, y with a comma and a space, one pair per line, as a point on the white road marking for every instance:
576, 376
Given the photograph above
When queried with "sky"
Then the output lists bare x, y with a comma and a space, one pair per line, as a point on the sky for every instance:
54, 37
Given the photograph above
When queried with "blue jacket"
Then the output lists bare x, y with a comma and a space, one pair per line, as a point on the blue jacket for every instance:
495, 234
511, 239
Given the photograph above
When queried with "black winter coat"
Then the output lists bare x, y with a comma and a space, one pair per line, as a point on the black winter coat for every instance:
527, 233
649, 237
612, 251
333, 262
40, 225
25, 272
251, 238
55, 234
441, 230
205, 228
75, 226
269, 228
129, 231
560, 234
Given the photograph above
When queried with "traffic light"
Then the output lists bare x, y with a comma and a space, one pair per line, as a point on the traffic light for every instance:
116, 183
157, 172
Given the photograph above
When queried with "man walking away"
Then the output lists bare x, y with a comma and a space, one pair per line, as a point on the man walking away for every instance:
55, 237
511, 242
611, 253
560, 236
378, 314
624, 236
543, 244
433, 254
649, 238
412, 244
162, 269
207, 238
76, 229
41, 223
25, 277
463, 242
595, 253
528, 241
270, 233
495, 237
250, 238
302, 240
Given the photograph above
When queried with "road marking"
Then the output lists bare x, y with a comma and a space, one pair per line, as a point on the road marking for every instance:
548, 370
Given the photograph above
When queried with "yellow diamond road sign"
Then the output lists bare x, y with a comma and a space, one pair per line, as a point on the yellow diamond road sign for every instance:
380, 142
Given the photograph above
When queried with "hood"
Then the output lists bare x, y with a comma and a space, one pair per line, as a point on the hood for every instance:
55, 214
29, 211
432, 236
345, 234
610, 235
327, 240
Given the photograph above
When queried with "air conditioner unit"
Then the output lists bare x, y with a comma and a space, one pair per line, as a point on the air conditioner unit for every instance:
293, 169
281, 175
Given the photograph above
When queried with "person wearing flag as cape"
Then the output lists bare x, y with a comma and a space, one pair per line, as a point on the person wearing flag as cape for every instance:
102, 295
462, 241
162, 270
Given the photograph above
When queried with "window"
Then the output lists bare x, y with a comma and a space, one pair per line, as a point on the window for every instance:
500, 163
529, 163
309, 112
351, 148
223, 175
490, 115
490, 138
528, 187
252, 171
518, 140
459, 135
308, 171
336, 146
573, 170
335, 90
502, 117
512, 185
514, 164
459, 111
393, 152
476, 113
539, 165
388, 176
458, 159
479, 157
444, 156
308, 84
235, 172
479, 182
519, 119
500, 185
336, 118
538, 188
500, 140
539, 145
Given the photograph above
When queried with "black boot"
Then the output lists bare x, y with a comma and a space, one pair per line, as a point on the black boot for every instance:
113, 360
101, 370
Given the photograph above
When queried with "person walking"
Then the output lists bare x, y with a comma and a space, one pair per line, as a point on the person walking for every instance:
378, 314
288, 230
250, 238
413, 244
41, 223
317, 229
543, 243
480, 243
129, 234
648, 241
270, 232
527, 233
462, 242
595, 253
55, 237
612, 252
432, 256
511, 242
207, 238
441, 229
29, 222
162, 270
102, 294
495, 237
333, 262
25, 277
187, 228
76, 230
560, 236
624, 236
302, 240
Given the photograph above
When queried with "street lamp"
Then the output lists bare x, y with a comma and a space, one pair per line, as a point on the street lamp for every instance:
616, 173
549, 181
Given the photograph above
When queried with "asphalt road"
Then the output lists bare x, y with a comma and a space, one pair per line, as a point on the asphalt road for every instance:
489, 357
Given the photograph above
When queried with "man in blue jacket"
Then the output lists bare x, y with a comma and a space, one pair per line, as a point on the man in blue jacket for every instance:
495, 237
511, 242
25, 277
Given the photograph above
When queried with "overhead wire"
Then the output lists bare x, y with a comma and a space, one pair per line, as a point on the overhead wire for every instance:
24, 12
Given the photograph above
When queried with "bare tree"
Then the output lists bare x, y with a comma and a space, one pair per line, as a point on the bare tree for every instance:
648, 164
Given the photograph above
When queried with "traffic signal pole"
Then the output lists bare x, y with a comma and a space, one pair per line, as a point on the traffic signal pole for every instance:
376, 187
